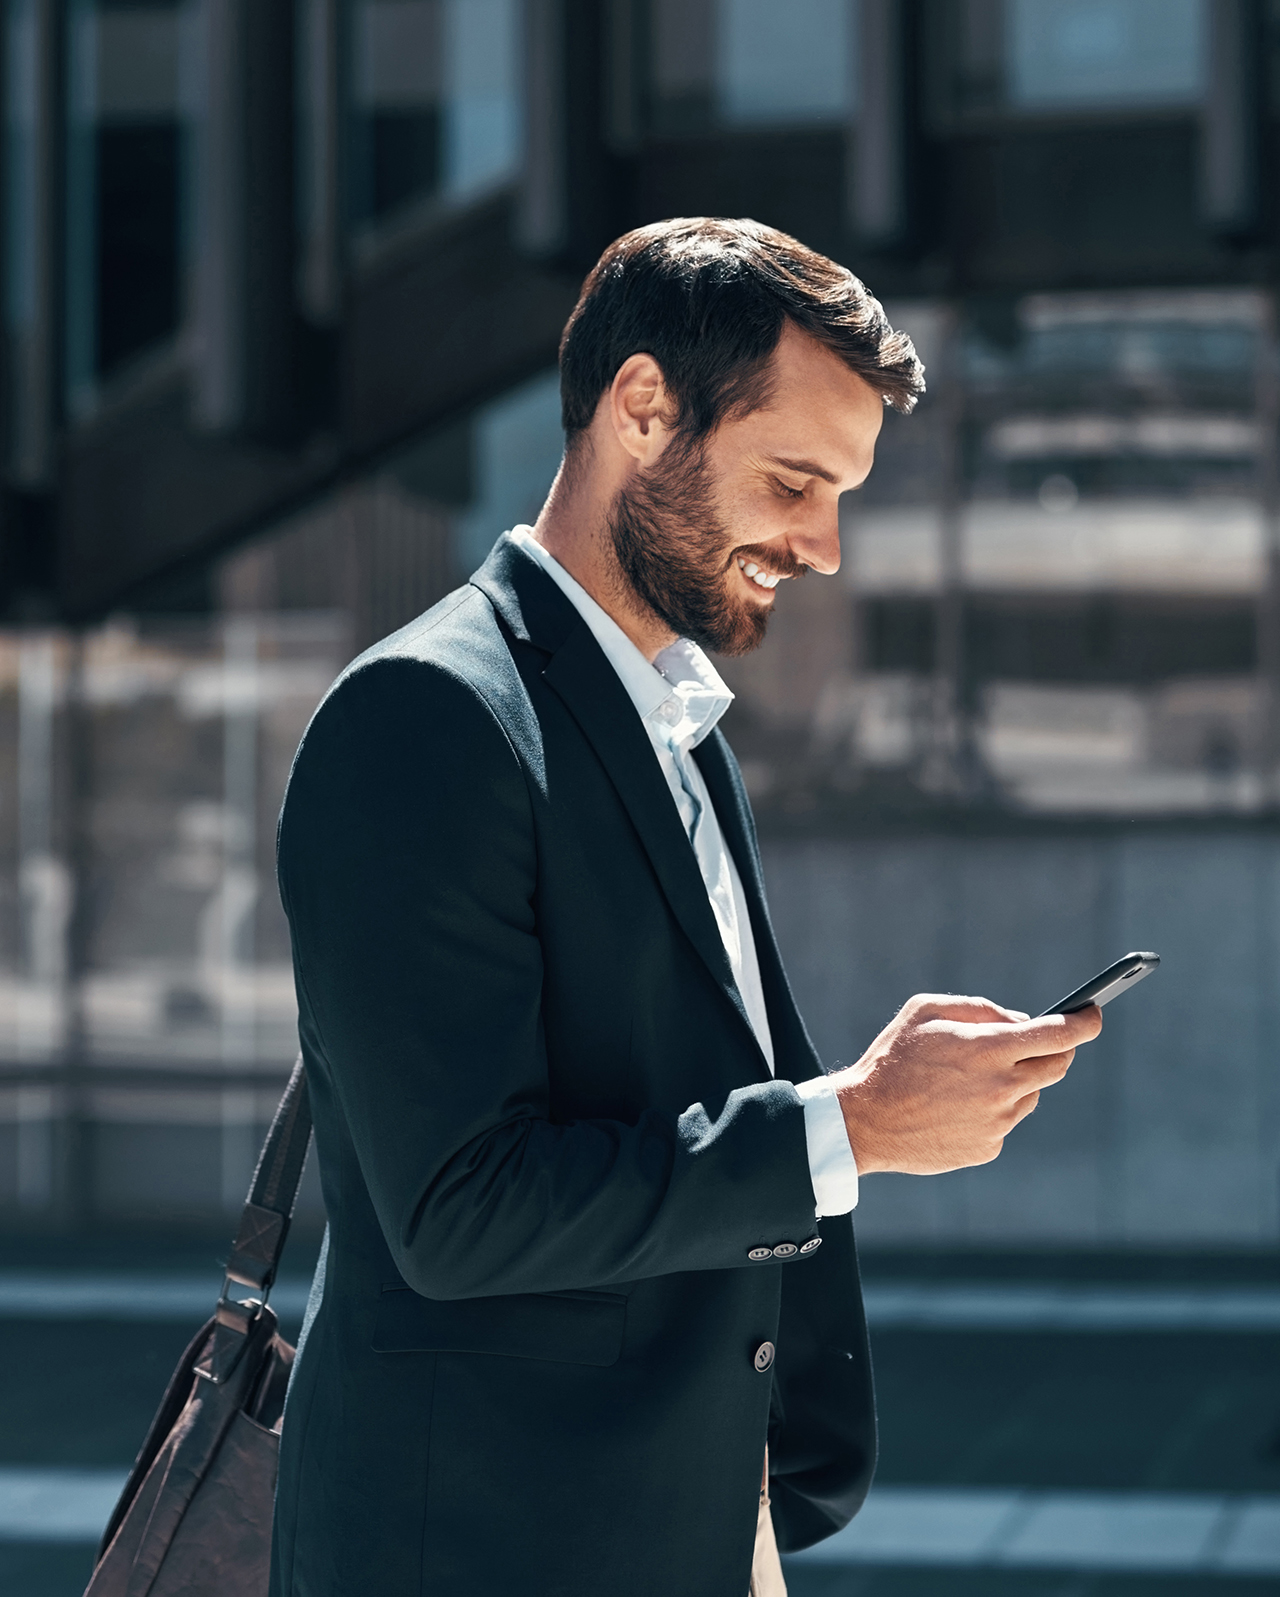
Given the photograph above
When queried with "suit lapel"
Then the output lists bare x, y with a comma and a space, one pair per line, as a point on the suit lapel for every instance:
720, 772
589, 687
793, 1046
537, 611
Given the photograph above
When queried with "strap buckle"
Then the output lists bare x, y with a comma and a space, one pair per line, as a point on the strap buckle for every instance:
239, 1308
240, 1302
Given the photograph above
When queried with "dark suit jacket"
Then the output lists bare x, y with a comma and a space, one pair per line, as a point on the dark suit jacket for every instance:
548, 1142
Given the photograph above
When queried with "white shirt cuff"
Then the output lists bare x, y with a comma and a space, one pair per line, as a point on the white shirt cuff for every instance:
832, 1167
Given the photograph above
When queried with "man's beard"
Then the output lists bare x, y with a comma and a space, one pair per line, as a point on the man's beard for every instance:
677, 555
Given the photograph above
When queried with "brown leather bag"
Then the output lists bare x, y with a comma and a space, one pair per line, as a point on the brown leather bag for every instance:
194, 1519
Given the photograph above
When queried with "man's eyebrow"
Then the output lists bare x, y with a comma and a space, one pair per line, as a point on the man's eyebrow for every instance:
806, 468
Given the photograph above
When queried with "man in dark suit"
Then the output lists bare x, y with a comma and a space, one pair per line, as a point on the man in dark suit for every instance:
587, 1181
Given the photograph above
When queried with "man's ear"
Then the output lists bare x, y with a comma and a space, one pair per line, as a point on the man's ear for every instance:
640, 408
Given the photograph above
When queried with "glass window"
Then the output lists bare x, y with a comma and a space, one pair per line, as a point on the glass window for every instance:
1110, 552
124, 159
20, 46
436, 101
26, 266
1104, 52
789, 63
751, 62
517, 443
178, 999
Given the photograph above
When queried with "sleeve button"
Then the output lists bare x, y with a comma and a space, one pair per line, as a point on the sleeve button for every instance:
756, 1254
812, 1244
785, 1250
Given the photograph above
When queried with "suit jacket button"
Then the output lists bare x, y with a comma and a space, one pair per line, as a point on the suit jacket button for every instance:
811, 1244
785, 1250
760, 1253
764, 1356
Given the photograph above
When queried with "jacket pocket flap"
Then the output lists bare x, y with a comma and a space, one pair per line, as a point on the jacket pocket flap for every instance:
567, 1328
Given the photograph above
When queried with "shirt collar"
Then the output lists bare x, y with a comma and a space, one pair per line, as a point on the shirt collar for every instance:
680, 697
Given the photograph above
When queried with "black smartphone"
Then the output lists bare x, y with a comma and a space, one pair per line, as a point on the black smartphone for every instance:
1106, 985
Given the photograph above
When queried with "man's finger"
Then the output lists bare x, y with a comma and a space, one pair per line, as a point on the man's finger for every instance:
1050, 1034
960, 1007
1045, 1070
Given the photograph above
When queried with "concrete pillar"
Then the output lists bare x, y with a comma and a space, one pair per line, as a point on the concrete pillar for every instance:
1231, 125
880, 157
567, 194
243, 291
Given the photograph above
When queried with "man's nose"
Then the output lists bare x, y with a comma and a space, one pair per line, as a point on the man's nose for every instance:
818, 546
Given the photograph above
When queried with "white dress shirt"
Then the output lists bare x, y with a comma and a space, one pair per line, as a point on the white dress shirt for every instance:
679, 699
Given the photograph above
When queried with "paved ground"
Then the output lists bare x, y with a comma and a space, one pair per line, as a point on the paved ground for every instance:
1169, 1412
1021, 1416
934, 1582
1126, 1414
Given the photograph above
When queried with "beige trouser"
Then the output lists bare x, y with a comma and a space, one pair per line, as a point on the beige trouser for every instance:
766, 1566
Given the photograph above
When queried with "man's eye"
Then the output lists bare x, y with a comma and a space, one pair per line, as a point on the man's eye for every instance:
788, 493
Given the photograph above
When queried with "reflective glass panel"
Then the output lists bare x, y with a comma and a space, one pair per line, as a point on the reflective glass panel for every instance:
751, 62
436, 103
517, 443
1104, 52
1109, 554
124, 172
26, 263
149, 757
789, 63
20, 177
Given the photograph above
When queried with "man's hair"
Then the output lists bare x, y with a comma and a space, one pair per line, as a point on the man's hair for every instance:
708, 298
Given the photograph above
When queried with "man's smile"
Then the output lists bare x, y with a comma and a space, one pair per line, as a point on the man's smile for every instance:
758, 575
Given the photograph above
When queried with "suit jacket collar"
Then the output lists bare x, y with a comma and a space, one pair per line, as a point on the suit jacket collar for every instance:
537, 612
533, 608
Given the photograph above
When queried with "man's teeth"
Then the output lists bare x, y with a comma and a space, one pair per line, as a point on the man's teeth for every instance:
762, 578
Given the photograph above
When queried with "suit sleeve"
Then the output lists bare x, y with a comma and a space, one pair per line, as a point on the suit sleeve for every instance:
408, 869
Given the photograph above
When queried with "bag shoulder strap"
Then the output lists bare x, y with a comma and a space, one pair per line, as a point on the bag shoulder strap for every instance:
264, 1225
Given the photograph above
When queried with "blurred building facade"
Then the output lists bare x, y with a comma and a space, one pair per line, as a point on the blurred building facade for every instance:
283, 284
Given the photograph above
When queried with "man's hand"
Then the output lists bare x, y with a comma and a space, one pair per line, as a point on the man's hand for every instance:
949, 1078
